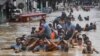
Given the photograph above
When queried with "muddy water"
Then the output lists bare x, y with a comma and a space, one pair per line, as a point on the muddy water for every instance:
8, 34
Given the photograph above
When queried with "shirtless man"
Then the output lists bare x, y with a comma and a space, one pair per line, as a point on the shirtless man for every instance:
89, 49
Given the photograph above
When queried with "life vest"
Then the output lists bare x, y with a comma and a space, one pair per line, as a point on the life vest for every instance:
53, 35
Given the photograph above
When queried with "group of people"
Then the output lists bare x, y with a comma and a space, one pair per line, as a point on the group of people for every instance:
91, 26
89, 48
61, 35
87, 27
81, 19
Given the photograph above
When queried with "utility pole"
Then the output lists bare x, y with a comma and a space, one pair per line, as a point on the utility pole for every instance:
27, 5
46, 3
41, 5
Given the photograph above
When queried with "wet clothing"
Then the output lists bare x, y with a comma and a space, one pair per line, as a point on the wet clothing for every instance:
70, 26
80, 18
87, 28
91, 27
70, 29
59, 37
85, 40
56, 21
62, 48
78, 28
63, 16
68, 35
63, 26
41, 47
59, 27
88, 50
86, 18
16, 47
47, 31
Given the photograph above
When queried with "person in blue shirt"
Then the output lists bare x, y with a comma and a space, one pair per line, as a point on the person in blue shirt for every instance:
70, 28
16, 47
46, 30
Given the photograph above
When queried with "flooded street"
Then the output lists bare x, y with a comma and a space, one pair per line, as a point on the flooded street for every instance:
9, 32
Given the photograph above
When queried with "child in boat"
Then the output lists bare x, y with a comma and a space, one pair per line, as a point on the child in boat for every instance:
89, 49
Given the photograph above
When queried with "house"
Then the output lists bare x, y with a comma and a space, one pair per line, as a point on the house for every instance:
2, 14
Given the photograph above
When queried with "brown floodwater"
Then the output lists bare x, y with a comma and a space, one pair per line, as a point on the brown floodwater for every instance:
8, 34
